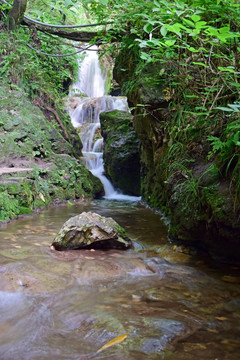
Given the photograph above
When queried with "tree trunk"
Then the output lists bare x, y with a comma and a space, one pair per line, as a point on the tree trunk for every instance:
16, 13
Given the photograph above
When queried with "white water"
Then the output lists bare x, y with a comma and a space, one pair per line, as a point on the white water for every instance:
85, 110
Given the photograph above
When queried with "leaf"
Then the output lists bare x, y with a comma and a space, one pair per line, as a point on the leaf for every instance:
223, 108
145, 56
228, 69
148, 28
70, 203
200, 63
179, 12
112, 342
41, 197
200, 24
192, 49
235, 107
188, 22
163, 31
195, 18
170, 42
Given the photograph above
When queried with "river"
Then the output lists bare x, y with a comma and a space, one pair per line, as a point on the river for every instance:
66, 305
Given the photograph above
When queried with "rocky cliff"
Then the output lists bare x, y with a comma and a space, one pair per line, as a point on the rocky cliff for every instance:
39, 159
177, 173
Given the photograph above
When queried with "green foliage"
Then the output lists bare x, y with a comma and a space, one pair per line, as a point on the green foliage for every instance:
227, 149
37, 75
196, 193
193, 47
57, 11
9, 207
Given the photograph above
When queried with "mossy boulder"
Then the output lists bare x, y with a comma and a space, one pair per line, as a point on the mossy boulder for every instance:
91, 231
121, 151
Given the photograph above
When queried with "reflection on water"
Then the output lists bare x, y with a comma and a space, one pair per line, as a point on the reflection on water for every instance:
66, 305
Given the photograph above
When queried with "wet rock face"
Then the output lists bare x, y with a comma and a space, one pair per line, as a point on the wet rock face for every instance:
91, 231
121, 151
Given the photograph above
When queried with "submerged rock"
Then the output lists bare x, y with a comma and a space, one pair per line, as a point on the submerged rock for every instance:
90, 230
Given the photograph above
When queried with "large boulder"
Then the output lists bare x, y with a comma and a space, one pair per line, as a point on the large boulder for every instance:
91, 231
121, 151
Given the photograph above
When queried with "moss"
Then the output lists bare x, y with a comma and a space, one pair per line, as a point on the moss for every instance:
13, 189
121, 231
24, 210
28, 139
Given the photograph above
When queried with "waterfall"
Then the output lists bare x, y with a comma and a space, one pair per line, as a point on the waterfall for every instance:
87, 100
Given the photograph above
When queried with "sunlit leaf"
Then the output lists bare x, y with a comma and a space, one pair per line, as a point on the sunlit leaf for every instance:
115, 341
170, 42
200, 24
226, 69
195, 18
223, 108
103, 2
200, 63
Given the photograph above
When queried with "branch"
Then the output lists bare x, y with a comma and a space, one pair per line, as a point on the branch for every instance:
62, 26
59, 55
41, 104
84, 36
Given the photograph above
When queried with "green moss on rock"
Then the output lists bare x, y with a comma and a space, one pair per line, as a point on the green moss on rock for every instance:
39, 164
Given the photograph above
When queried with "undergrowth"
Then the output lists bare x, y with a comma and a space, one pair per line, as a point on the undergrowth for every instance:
190, 50
37, 75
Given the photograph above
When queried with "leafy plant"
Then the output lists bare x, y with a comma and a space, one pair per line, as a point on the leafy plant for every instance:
227, 148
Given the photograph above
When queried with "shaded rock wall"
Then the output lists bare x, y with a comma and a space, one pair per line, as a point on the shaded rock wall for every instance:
121, 151
176, 176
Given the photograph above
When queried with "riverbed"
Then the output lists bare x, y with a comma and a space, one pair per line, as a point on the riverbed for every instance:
170, 303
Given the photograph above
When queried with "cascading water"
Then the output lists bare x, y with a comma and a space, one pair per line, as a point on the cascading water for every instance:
87, 101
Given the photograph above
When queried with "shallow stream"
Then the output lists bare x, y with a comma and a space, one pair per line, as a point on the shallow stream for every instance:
67, 305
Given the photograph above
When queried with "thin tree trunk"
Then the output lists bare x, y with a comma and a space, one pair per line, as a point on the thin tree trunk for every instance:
16, 13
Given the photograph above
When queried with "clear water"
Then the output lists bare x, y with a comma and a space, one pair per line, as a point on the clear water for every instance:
66, 305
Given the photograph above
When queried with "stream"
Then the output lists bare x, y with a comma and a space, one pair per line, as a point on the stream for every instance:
66, 305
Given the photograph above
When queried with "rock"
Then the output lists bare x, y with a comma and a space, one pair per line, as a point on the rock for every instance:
90, 230
121, 151
200, 198
37, 158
